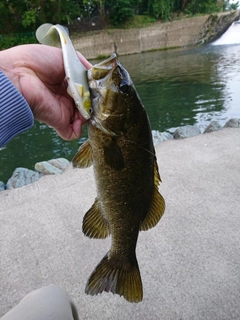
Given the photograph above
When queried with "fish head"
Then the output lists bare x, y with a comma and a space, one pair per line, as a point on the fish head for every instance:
113, 97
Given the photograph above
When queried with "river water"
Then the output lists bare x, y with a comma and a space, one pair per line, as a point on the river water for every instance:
178, 87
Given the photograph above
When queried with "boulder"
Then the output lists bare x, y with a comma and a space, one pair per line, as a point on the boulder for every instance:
22, 177
45, 167
60, 163
213, 126
53, 166
232, 123
160, 136
2, 186
186, 132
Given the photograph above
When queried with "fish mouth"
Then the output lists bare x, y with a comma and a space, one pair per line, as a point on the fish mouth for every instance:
99, 77
100, 80
100, 70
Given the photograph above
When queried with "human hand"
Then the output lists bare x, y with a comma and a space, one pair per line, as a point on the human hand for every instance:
37, 71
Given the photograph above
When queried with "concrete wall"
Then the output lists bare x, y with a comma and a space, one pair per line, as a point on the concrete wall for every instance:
178, 33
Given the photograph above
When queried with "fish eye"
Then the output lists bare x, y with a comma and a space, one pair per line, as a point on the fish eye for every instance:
124, 87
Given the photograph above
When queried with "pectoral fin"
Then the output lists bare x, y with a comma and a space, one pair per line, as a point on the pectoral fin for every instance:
157, 206
83, 158
94, 224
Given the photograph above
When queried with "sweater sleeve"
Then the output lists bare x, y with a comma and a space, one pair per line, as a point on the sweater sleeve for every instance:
15, 114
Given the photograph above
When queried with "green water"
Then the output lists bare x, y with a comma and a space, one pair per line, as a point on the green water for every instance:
177, 87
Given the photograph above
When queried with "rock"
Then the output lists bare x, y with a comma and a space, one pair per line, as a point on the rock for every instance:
213, 126
160, 136
45, 167
22, 177
2, 186
215, 26
60, 163
232, 123
186, 132
53, 166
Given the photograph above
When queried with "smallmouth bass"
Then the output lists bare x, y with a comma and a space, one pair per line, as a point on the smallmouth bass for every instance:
121, 150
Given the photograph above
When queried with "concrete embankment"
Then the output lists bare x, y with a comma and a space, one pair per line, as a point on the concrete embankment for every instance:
178, 33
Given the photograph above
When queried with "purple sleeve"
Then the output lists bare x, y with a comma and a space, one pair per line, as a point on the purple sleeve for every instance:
15, 113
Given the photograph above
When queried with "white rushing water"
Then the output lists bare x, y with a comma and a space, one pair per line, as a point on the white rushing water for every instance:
231, 36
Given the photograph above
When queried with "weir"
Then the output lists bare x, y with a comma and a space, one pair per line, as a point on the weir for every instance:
231, 36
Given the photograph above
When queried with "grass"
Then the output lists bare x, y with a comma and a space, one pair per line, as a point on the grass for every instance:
139, 21
101, 57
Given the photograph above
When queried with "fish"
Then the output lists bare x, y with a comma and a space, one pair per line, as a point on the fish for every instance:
120, 148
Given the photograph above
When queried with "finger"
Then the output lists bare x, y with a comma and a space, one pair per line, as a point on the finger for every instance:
78, 115
68, 134
84, 61
72, 131
77, 128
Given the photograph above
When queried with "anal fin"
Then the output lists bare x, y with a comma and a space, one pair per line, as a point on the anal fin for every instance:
94, 225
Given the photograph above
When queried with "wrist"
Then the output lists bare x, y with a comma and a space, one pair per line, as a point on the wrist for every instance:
16, 116
10, 67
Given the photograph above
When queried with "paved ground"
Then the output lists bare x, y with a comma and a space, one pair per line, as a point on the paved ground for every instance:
190, 262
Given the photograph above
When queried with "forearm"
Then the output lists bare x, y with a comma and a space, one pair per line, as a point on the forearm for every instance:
15, 113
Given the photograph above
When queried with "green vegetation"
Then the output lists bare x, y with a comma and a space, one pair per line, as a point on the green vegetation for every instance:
17, 17
10, 40
139, 21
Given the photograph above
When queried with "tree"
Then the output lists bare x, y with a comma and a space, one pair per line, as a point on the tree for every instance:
11, 15
120, 11
160, 8
27, 15
207, 6
230, 6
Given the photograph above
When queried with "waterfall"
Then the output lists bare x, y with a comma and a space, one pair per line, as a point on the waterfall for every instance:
231, 36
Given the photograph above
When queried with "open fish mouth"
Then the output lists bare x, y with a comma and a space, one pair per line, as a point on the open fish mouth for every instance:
99, 76
100, 80
75, 67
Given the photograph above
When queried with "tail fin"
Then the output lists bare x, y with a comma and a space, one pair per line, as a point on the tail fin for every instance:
123, 279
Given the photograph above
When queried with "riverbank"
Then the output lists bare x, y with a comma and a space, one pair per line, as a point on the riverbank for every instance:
189, 262
159, 36
23, 176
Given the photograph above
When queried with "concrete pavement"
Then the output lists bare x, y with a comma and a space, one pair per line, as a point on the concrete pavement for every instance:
190, 262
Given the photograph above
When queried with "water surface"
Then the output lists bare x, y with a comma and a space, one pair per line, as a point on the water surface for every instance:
177, 87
